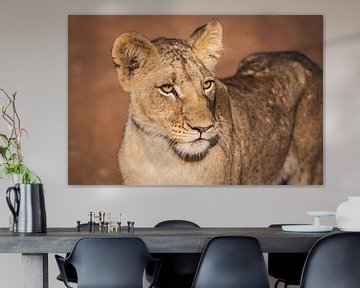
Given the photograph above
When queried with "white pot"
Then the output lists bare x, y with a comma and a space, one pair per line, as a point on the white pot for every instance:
15, 179
348, 215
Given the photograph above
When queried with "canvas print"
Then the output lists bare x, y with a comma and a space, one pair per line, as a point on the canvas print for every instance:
195, 100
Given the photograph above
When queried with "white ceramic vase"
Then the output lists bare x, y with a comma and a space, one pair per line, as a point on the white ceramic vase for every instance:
14, 179
348, 214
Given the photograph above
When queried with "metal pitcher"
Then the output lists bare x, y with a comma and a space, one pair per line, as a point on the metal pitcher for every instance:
28, 207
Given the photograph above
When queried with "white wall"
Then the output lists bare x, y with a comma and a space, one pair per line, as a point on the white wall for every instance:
33, 62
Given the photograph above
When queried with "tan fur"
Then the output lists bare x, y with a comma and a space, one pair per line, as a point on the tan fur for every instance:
261, 126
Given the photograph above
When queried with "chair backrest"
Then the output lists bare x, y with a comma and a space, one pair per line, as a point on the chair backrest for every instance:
287, 267
178, 269
333, 262
232, 262
176, 224
110, 262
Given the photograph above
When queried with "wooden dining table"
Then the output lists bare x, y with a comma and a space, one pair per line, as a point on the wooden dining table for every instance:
35, 247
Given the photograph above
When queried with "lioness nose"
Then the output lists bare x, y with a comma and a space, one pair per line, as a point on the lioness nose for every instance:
202, 129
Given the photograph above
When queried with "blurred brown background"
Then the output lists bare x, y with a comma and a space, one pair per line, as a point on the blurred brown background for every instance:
97, 106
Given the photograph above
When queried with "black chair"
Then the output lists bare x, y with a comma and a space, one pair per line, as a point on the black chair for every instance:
108, 263
178, 269
333, 262
286, 267
232, 262
69, 269
70, 273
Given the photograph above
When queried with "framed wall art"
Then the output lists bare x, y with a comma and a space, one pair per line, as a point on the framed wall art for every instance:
195, 100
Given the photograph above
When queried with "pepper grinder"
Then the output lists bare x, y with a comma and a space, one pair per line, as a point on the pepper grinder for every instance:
90, 221
78, 226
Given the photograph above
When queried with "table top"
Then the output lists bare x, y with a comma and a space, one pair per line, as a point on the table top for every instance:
158, 240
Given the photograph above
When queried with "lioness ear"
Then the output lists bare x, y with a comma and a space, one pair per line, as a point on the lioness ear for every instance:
132, 53
207, 43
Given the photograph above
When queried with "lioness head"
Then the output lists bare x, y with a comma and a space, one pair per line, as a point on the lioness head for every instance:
172, 87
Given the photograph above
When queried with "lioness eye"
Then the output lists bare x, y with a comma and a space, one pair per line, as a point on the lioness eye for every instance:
167, 89
208, 84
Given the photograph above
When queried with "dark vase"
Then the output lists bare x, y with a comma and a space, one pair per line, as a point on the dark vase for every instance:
27, 207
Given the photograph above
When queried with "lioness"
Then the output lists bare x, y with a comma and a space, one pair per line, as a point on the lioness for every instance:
261, 126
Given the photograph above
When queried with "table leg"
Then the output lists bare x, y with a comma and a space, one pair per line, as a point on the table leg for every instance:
35, 270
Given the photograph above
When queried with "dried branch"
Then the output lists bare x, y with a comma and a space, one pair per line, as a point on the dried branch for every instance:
12, 159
